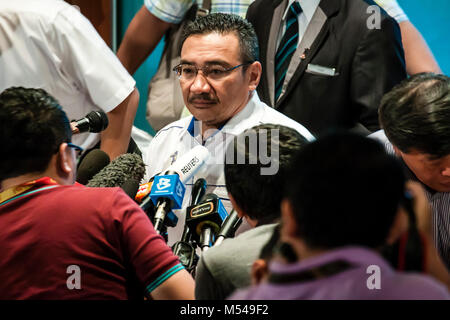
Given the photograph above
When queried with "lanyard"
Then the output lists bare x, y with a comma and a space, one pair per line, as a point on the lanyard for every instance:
20, 189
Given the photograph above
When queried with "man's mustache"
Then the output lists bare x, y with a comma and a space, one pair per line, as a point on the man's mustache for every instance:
204, 97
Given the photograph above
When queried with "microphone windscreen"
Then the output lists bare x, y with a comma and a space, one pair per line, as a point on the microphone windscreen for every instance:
125, 167
98, 121
130, 187
94, 161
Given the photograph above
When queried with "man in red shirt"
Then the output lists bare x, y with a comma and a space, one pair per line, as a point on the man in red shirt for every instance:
66, 241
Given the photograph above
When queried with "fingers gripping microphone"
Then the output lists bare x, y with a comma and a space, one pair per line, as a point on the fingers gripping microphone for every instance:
168, 190
92, 163
94, 121
205, 220
229, 227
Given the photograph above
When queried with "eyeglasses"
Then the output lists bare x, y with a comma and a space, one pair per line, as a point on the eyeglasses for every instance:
78, 149
188, 72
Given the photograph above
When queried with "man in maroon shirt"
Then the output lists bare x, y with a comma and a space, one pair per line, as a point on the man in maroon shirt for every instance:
66, 241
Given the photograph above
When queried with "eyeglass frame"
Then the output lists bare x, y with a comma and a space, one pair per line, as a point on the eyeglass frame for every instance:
227, 70
74, 146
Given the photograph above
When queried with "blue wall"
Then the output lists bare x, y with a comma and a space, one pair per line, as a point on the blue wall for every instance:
432, 18
126, 9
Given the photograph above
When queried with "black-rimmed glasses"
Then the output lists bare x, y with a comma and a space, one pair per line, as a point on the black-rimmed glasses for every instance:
188, 72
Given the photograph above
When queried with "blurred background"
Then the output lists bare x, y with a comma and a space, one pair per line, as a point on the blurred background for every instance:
111, 18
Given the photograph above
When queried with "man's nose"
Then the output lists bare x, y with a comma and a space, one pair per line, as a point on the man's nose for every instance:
200, 84
446, 172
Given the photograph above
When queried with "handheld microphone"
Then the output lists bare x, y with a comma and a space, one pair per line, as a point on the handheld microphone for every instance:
119, 172
205, 220
94, 121
168, 190
94, 161
229, 227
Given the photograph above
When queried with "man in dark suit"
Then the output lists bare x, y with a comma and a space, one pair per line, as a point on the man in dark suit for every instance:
327, 63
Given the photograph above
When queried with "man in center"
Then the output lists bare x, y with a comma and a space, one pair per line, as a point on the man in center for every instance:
218, 75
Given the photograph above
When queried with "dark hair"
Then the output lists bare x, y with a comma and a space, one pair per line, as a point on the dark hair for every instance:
32, 127
227, 23
274, 246
344, 190
415, 114
256, 193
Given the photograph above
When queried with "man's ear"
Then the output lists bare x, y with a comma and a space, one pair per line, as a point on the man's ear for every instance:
254, 75
399, 226
397, 151
289, 228
65, 159
239, 211
259, 271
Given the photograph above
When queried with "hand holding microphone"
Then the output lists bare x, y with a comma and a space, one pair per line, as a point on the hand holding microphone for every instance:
94, 121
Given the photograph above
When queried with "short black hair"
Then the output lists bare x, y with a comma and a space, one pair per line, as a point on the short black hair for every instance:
32, 127
223, 23
257, 194
345, 190
415, 114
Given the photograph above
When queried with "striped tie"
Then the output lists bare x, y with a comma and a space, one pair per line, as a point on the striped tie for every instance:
287, 47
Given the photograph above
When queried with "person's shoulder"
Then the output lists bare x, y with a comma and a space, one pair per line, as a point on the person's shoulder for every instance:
254, 238
43, 11
275, 117
417, 286
172, 128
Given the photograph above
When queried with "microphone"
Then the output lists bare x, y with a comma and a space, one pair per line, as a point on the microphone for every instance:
168, 190
94, 161
197, 193
130, 187
229, 227
94, 121
205, 220
119, 172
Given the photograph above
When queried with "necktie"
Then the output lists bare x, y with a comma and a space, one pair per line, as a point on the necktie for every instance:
287, 47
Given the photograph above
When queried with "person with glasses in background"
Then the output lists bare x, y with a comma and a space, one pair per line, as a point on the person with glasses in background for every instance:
62, 240
218, 75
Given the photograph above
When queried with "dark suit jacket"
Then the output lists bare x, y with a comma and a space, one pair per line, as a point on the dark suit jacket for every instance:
369, 62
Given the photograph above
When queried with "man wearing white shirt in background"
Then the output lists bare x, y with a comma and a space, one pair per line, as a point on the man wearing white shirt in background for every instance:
218, 74
49, 44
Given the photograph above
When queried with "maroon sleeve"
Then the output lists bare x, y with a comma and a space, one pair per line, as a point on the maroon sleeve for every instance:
149, 255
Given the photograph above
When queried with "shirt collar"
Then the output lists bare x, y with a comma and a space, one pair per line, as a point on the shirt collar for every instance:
308, 6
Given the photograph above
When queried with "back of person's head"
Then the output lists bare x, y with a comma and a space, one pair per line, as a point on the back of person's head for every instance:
32, 126
256, 170
344, 189
223, 24
415, 114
